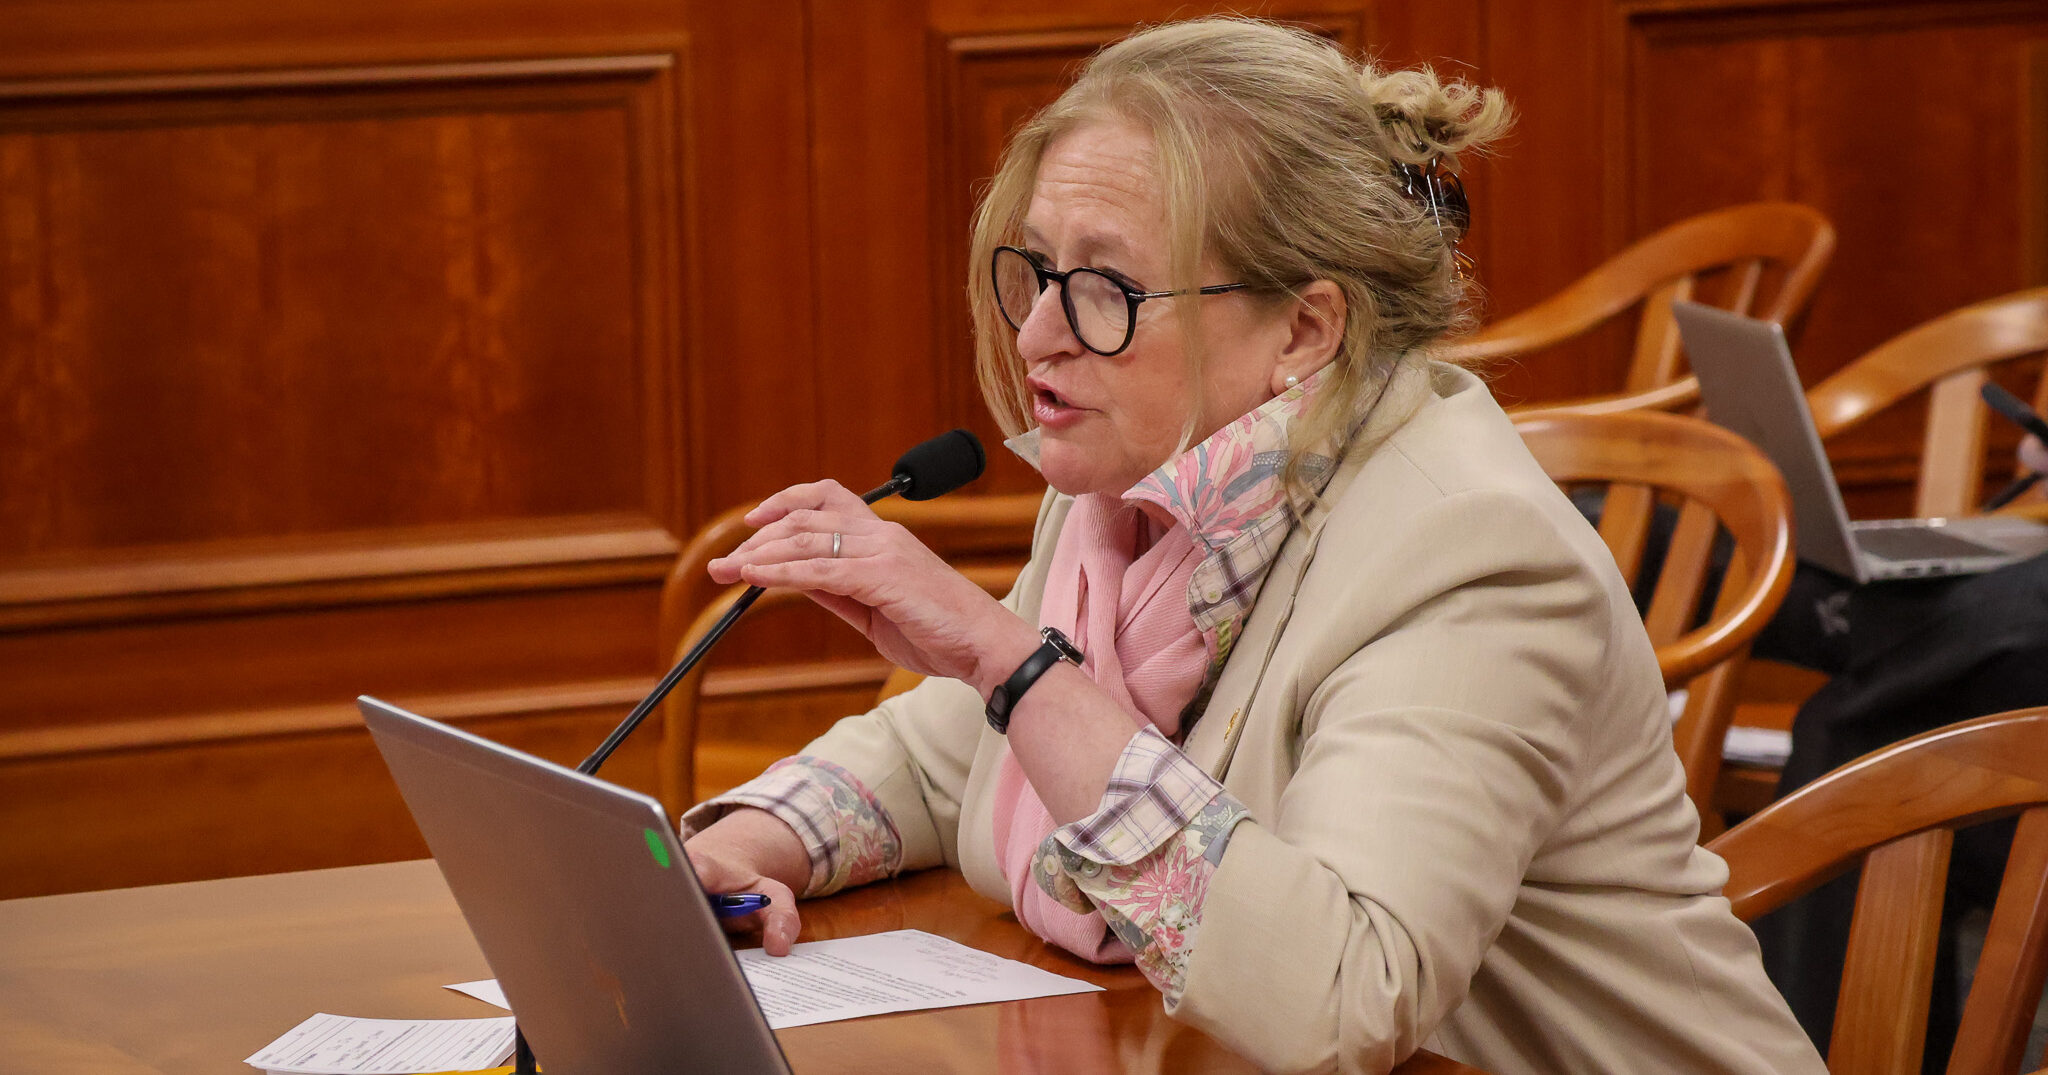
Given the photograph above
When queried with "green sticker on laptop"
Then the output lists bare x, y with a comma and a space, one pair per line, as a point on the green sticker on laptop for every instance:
657, 847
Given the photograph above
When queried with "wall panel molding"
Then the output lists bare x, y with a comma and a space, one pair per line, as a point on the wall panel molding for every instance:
75, 741
240, 549
617, 695
293, 78
331, 570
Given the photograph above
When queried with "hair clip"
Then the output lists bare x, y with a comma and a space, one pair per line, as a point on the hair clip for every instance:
1438, 191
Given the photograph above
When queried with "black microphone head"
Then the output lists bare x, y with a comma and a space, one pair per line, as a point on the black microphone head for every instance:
940, 465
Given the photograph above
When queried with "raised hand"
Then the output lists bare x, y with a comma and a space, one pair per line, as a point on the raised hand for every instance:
919, 613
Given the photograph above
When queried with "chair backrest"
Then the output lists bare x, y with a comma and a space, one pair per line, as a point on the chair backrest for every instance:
1952, 354
1763, 259
1721, 483
987, 538
1896, 811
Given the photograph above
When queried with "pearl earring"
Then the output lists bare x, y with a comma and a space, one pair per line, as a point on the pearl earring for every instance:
1292, 381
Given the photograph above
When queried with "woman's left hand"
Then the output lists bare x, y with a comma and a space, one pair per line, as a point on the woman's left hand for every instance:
919, 613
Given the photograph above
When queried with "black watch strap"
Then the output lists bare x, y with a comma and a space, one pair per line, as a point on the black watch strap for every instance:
1003, 699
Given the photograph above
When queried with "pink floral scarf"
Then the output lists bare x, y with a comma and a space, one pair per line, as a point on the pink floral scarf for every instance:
1126, 607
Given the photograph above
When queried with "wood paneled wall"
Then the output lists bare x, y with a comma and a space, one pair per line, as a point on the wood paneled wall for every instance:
393, 348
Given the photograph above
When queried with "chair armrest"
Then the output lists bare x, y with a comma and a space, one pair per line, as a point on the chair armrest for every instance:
1676, 397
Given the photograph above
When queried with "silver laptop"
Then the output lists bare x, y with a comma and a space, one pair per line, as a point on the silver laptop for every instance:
1752, 389
580, 896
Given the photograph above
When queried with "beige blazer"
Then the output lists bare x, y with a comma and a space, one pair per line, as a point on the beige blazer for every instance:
1468, 826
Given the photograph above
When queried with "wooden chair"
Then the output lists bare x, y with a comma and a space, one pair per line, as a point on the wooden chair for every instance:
1896, 811
1721, 482
1720, 258
987, 538
1951, 356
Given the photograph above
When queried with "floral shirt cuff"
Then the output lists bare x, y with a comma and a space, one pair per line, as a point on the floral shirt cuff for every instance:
847, 834
1144, 858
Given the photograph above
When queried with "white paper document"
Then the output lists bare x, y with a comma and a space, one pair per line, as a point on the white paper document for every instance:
900, 971
486, 990
338, 1045
1757, 746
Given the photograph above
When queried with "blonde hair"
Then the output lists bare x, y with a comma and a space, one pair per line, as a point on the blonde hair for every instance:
1277, 156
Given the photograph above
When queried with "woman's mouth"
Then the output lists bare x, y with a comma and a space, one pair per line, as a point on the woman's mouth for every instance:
1051, 409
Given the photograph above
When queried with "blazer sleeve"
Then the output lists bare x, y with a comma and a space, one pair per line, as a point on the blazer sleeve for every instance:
1438, 680
913, 753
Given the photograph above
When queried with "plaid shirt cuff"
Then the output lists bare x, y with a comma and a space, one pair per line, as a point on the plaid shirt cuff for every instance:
847, 834
1153, 793
1145, 858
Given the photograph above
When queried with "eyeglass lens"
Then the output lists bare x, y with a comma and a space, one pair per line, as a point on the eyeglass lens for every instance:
1098, 309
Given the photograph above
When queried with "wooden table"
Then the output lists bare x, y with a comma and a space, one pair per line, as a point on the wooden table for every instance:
192, 978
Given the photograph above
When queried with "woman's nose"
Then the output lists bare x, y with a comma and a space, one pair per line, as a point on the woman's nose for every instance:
1045, 333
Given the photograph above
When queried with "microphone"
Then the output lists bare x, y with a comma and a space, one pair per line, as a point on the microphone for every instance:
933, 469
2016, 409
929, 470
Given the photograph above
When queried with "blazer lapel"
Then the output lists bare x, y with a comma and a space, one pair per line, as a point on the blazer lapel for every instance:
1213, 741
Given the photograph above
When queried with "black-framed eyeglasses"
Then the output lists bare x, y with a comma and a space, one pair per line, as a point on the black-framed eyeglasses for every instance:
1101, 309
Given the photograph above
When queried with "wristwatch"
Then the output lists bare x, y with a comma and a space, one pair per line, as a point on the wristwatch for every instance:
1004, 698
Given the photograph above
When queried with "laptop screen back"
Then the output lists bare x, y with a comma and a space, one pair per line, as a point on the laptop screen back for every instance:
580, 897
1752, 389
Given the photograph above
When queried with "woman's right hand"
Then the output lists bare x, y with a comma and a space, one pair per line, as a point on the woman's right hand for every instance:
920, 614
750, 850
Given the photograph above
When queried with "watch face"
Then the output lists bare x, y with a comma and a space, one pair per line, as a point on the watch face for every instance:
1060, 642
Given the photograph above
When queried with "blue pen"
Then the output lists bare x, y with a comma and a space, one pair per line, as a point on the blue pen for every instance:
735, 906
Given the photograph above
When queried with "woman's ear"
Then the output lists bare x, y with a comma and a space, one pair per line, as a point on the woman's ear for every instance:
1315, 330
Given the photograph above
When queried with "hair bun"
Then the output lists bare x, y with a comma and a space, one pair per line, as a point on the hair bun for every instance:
1425, 117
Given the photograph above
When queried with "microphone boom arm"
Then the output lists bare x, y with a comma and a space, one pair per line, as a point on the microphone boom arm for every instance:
897, 484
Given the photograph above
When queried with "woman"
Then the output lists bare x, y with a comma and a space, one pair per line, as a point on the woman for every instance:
1368, 747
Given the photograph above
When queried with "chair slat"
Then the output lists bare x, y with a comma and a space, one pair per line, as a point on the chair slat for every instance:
1952, 456
1700, 732
1676, 603
1745, 278
1710, 707
1887, 978
2005, 992
1625, 525
1656, 356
